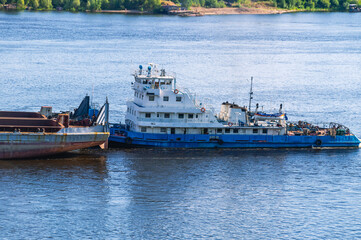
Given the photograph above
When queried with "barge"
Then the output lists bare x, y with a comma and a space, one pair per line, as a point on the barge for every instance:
33, 134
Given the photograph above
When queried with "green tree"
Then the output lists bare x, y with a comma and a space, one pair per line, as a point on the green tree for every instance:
34, 4
186, 3
3, 2
58, 3
75, 4
335, 3
20, 4
282, 4
324, 3
211, 3
45, 4
105, 4
291, 3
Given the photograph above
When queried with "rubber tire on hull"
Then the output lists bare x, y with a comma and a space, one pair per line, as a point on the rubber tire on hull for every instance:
318, 142
128, 140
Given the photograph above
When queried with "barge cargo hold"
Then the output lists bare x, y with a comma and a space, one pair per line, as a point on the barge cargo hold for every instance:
31, 134
164, 115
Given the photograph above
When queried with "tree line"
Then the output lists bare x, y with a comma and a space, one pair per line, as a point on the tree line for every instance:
335, 5
155, 5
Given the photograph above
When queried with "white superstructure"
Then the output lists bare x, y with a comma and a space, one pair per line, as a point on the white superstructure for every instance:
160, 106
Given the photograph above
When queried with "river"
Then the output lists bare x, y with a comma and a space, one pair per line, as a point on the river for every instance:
309, 62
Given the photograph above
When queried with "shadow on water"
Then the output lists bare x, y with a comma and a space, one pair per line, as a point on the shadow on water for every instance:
196, 193
86, 158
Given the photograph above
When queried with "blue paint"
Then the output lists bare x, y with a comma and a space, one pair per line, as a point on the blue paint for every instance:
230, 141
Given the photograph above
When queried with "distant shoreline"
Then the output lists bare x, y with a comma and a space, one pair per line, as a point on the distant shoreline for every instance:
196, 11
200, 11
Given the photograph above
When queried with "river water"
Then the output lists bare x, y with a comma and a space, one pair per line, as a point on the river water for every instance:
310, 62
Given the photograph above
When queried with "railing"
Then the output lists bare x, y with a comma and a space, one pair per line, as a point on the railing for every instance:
171, 120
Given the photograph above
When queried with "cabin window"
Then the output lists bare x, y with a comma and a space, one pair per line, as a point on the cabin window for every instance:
255, 130
219, 130
205, 130
165, 98
151, 98
166, 115
235, 130
178, 99
227, 130
157, 114
163, 130
172, 130
143, 129
190, 116
196, 115
147, 115
264, 130
180, 115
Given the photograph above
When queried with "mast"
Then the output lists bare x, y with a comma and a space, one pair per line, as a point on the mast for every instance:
250, 96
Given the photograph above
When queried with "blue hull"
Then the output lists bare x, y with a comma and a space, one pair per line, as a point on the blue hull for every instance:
129, 139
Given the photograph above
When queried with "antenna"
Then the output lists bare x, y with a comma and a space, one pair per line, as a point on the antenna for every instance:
250, 95
91, 101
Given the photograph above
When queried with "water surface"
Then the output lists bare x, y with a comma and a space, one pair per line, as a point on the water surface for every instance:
307, 61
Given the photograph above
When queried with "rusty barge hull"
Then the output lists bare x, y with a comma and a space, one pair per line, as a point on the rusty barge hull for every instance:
28, 145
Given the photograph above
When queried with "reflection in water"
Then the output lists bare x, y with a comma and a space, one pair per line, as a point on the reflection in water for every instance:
166, 194
45, 196
309, 62
203, 193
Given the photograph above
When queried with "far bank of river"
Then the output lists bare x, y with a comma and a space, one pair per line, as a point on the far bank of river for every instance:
195, 11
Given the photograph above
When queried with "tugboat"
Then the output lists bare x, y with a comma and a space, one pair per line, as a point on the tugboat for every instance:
164, 115
34, 134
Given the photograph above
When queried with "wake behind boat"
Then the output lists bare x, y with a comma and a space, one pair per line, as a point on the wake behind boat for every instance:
32, 134
164, 115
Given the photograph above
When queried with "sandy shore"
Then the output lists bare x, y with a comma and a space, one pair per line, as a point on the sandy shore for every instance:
241, 10
255, 8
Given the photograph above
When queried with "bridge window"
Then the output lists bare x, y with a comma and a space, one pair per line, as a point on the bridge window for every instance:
178, 99
151, 98
165, 98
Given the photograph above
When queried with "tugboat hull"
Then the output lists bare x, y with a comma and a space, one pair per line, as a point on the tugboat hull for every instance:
133, 139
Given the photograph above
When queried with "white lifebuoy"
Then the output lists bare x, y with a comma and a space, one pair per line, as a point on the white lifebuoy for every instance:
230, 124
176, 91
203, 109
